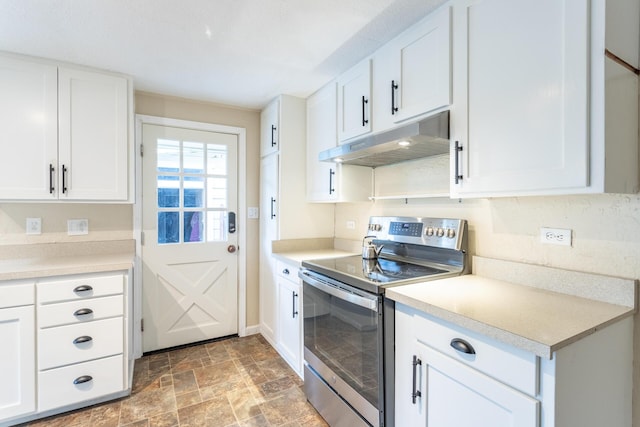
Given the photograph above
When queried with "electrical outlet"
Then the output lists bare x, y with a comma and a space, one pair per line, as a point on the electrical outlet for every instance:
351, 225
77, 227
34, 226
555, 236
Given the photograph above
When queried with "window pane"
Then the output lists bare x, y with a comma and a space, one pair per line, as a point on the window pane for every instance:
216, 228
216, 159
193, 192
193, 226
193, 155
168, 191
168, 227
168, 155
217, 193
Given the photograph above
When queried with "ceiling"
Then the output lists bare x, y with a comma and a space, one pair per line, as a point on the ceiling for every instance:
235, 52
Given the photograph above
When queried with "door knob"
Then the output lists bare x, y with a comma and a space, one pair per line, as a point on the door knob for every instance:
231, 248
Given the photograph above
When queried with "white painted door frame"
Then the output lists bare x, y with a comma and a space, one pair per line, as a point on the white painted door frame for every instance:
242, 219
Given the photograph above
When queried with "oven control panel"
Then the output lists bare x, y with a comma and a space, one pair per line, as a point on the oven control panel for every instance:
438, 232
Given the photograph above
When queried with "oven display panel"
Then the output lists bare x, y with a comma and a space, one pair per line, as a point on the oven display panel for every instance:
411, 229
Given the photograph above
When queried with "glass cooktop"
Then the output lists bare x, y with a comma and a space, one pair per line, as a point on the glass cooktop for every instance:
381, 270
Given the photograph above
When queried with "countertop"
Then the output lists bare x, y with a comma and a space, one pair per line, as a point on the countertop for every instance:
530, 317
296, 257
66, 259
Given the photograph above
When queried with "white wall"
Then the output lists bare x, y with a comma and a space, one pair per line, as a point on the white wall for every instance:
606, 233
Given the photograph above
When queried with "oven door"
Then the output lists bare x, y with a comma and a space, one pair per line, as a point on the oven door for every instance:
343, 338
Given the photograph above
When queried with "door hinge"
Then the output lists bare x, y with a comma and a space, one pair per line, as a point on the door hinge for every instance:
141, 150
142, 238
141, 325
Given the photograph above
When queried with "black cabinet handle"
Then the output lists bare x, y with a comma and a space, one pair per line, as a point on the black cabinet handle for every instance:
458, 149
83, 288
415, 393
462, 346
273, 138
285, 271
83, 379
365, 101
331, 175
64, 179
82, 339
294, 312
273, 215
51, 170
83, 312
394, 86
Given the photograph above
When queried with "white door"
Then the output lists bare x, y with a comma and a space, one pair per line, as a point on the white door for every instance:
354, 106
189, 257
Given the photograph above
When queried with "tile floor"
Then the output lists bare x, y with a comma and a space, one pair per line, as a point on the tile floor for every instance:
237, 382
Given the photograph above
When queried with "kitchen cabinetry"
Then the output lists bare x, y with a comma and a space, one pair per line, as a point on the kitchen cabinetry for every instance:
270, 128
411, 73
354, 101
289, 315
285, 213
81, 339
17, 370
330, 182
538, 108
447, 375
70, 129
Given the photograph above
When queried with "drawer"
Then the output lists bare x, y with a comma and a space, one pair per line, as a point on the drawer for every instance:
56, 387
512, 366
14, 294
79, 287
70, 312
56, 346
288, 271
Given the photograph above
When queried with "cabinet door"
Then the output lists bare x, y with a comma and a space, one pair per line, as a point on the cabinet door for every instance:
17, 367
29, 129
423, 58
521, 96
354, 101
453, 394
289, 323
93, 145
270, 129
269, 219
321, 135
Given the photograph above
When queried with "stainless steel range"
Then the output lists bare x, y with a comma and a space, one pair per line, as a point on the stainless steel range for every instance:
349, 324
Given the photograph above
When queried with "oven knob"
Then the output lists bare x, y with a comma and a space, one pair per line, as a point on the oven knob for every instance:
451, 233
429, 231
440, 232
378, 227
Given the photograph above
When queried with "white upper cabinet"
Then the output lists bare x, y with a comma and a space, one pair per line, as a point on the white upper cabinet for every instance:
411, 74
29, 118
270, 129
93, 132
69, 132
330, 182
537, 108
354, 101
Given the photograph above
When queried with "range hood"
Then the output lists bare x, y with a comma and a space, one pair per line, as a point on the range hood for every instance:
425, 138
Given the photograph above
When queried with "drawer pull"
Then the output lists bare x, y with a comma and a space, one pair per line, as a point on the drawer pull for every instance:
82, 339
83, 288
83, 379
462, 346
83, 312
285, 271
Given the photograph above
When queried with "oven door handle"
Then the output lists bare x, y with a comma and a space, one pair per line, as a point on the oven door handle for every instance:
370, 303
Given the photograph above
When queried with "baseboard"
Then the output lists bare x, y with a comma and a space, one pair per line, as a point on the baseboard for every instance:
250, 330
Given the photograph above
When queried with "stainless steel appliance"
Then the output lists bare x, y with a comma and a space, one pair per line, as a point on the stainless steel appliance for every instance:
349, 324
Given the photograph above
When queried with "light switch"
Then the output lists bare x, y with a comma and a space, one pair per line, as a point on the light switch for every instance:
77, 227
34, 226
253, 213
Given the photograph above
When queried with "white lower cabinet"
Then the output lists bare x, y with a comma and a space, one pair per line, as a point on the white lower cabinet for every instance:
446, 375
77, 350
17, 358
289, 314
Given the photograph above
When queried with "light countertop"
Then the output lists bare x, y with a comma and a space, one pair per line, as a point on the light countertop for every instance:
296, 257
528, 317
65, 259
